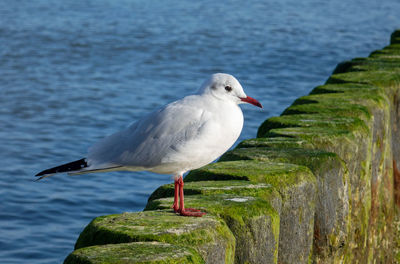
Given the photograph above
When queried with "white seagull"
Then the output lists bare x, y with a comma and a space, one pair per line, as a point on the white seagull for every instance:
178, 137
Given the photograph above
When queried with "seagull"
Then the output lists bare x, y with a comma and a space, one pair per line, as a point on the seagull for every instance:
174, 139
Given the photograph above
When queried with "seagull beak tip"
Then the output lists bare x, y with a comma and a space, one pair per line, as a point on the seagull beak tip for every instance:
252, 101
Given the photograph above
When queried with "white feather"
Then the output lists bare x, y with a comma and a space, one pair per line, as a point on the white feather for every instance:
181, 136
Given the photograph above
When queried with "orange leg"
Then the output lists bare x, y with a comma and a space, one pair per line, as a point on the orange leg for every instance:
182, 210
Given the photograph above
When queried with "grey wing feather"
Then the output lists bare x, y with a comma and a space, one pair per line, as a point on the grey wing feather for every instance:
145, 143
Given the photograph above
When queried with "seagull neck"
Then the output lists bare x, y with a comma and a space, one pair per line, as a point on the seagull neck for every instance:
212, 97
216, 102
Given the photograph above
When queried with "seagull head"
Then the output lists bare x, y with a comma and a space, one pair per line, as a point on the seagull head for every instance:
226, 87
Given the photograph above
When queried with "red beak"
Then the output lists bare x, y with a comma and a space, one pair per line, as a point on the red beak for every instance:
252, 101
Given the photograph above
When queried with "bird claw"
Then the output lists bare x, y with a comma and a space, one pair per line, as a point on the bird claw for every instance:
176, 208
192, 210
187, 212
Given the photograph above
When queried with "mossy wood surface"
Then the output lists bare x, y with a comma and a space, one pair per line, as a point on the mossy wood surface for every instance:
208, 235
136, 252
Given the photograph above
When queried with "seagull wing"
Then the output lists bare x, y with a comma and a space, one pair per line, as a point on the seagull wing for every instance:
164, 136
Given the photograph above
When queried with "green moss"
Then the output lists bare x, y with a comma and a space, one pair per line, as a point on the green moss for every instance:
313, 159
382, 60
331, 140
345, 88
354, 103
275, 222
158, 226
275, 142
139, 252
330, 108
328, 122
332, 183
393, 48
253, 221
379, 78
214, 187
389, 52
276, 174
222, 205
295, 184
379, 63
240, 216
395, 37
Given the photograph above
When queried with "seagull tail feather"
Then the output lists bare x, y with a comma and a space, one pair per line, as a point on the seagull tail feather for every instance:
74, 166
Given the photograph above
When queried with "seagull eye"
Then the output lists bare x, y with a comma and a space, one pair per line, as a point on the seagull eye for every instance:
228, 88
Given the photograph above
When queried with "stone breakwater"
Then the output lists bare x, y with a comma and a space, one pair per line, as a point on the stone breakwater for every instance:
319, 184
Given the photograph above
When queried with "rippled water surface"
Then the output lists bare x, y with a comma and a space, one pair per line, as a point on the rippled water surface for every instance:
74, 71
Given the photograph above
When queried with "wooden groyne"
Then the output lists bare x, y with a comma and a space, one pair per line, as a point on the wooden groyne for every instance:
320, 184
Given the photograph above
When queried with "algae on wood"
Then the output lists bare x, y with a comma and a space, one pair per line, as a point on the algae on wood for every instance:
209, 236
296, 186
252, 220
134, 253
332, 202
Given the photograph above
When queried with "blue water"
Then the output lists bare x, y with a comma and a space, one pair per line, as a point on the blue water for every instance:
74, 71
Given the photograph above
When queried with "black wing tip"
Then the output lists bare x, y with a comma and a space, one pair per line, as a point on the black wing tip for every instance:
41, 173
71, 166
38, 179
